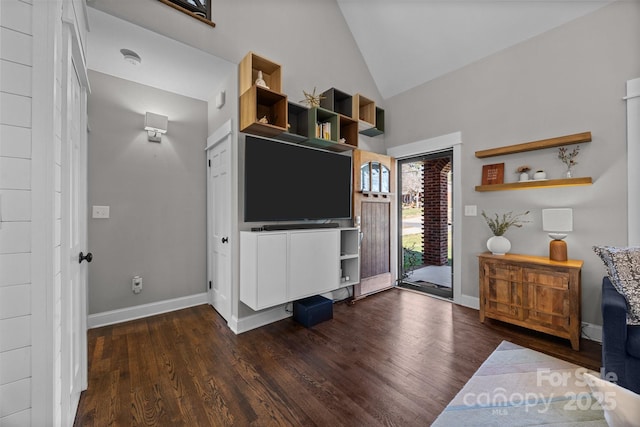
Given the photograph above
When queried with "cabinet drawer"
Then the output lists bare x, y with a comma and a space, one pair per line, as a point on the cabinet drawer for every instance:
553, 279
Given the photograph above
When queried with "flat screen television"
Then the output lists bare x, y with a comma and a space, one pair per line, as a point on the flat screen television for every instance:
286, 182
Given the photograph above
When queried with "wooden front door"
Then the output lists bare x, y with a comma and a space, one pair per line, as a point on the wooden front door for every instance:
372, 204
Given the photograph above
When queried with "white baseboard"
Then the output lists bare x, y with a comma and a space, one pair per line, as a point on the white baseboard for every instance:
592, 332
467, 301
261, 318
145, 310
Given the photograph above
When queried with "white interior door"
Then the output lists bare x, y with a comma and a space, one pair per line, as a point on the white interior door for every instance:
219, 220
73, 241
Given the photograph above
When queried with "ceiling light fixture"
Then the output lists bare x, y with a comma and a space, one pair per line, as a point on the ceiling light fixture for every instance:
131, 57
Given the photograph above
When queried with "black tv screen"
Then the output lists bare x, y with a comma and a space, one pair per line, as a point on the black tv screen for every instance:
285, 182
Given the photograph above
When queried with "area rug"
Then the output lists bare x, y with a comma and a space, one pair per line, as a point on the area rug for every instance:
517, 386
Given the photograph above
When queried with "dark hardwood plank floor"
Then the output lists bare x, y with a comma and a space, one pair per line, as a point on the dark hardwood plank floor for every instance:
392, 359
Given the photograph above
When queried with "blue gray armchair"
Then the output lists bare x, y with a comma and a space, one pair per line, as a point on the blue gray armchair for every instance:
620, 342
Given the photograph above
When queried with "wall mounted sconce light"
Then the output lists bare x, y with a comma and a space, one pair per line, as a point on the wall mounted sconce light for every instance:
557, 222
155, 125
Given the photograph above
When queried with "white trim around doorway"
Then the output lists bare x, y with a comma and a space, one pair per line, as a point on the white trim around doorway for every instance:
452, 141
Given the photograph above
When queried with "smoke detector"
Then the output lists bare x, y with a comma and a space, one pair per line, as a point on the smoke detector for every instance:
130, 56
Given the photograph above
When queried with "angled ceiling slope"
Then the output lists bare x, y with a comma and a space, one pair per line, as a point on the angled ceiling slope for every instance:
165, 63
406, 43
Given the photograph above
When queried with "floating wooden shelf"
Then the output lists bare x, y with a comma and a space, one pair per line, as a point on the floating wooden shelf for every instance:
525, 185
535, 145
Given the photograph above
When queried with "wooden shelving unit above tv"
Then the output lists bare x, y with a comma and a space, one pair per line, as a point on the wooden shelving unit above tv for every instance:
266, 111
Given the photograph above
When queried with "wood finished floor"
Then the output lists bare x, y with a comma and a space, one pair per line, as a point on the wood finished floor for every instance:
392, 359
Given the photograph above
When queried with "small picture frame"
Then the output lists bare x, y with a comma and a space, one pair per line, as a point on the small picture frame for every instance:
493, 174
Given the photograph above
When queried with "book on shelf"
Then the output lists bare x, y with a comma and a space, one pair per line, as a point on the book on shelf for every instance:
323, 130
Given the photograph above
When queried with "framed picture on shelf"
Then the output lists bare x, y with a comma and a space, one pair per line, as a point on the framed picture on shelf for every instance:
493, 174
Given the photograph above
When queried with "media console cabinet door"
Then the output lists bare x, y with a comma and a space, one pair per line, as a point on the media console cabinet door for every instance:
263, 276
314, 262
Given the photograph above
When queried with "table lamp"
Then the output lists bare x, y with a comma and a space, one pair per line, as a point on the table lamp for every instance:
557, 222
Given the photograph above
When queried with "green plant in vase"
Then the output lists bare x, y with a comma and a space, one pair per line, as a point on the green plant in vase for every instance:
499, 224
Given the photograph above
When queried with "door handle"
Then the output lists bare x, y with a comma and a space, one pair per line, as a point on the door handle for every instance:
225, 239
88, 257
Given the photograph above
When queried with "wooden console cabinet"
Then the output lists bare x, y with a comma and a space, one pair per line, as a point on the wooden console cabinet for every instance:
533, 292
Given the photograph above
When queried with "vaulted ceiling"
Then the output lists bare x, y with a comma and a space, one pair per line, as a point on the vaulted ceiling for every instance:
404, 43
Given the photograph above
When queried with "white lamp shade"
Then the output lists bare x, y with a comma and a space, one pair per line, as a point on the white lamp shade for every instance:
557, 220
156, 122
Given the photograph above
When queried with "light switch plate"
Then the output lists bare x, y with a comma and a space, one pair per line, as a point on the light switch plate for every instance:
470, 210
100, 212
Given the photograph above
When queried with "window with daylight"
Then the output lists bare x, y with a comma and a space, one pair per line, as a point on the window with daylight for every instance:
199, 8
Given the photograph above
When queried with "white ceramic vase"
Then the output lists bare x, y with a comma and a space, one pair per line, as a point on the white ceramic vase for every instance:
498, 245
524, 176
540, 175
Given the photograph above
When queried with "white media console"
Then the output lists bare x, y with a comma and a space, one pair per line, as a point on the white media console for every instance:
281, 266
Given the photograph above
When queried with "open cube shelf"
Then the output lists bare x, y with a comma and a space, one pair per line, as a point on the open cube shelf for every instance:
338, 102
248, 70
364, 110
258, 103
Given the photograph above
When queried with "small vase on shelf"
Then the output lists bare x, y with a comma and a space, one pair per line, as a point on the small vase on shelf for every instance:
540, 175
569, 173
524, 176
260, 81
498, 245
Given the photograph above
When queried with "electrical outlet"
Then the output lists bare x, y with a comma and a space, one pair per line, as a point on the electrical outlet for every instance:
136, 284
101, 212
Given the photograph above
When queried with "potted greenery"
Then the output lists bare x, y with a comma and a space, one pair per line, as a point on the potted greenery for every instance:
499, 224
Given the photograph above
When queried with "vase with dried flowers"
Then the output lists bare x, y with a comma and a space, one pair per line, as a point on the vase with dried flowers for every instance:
499, 224
524, 172
568, 158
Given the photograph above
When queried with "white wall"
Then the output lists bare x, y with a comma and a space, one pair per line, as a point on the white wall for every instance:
15, 211
156, 193
568, 80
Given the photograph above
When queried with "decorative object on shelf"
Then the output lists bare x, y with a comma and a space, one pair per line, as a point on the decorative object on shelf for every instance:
498, 244
311, 99
493, 174
557, 222
540, 174
342, 141
264, 120
568, 159
524, 172
260, 81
